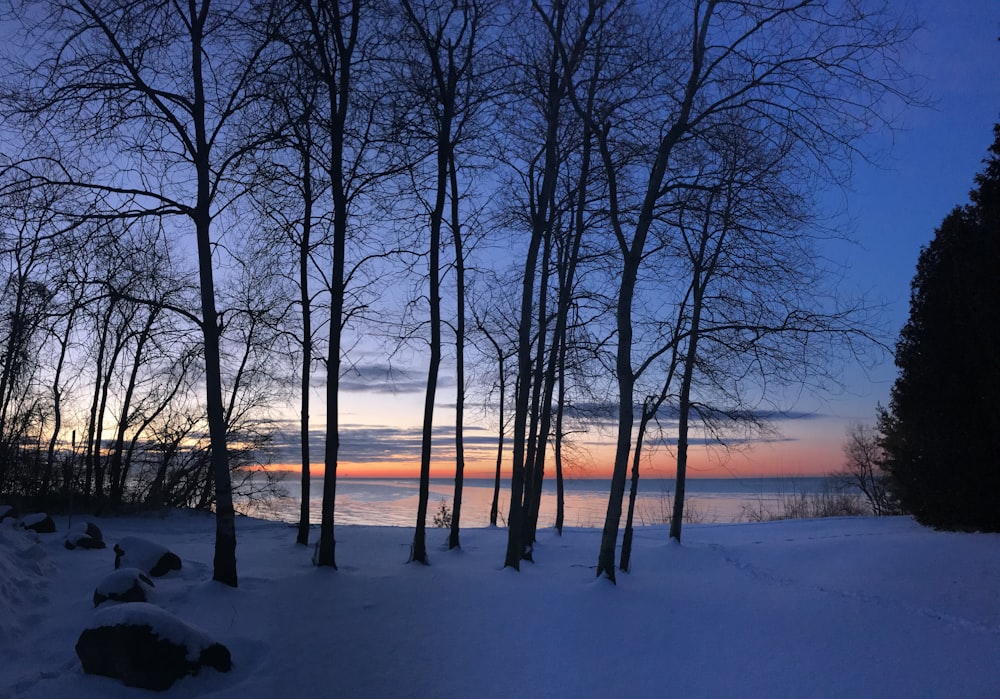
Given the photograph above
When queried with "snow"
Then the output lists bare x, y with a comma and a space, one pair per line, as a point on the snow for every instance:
851, 607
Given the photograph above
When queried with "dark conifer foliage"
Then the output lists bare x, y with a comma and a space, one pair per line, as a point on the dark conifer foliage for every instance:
942, 426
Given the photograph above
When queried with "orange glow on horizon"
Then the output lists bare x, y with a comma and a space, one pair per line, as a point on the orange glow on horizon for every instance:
813, 458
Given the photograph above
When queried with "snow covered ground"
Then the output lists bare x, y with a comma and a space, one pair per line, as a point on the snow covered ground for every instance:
853, 607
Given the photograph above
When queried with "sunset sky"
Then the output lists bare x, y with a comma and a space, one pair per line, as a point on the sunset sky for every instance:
925, 168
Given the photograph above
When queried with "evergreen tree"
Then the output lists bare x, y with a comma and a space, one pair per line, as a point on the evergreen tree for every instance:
942, 426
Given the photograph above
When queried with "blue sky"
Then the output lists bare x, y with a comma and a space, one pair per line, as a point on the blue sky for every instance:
924, 168
935, 153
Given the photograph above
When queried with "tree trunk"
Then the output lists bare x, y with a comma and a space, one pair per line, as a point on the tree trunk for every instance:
541, 403
118, 473
626, 553
88, 447
623, 446
560, 486
224, 562
495, 506
444, 148
515, 543
540, 225
684, 416
337, 76
456, 232
57, 398
307, 346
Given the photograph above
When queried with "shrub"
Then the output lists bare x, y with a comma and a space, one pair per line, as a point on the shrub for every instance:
442, 518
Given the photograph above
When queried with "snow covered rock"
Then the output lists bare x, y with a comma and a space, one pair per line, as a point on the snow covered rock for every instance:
89, 538
79, 540
7, 511
40, 523
146, 555
124, 585
147, 647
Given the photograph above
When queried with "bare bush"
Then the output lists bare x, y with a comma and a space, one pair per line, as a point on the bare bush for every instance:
830, 501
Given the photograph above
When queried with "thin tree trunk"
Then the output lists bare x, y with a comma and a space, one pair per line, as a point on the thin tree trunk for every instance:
99, 471
540, 224
88, 449
632, 253
456, 231
626, 553
560, 486
623, 446
306, 303
444, 146
683, 420
515, 544
57, 397
495, 506
337, 73
118, 473
541, 403
224, 562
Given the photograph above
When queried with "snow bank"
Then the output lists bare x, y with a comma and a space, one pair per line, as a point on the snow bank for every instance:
23, 570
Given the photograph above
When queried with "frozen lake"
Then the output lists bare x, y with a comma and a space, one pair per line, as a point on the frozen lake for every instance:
393, 501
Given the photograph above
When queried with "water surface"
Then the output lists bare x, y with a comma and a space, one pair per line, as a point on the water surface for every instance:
393, 501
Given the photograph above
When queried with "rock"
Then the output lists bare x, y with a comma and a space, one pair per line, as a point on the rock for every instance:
94, 532
79, 540
89, 538
147, 647
146, 555
6, 511
124, 585
40, 523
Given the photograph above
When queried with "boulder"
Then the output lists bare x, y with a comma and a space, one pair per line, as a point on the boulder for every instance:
94, 532
148, 556
79, 540
39, 523
89, 538
124, 585
147, 647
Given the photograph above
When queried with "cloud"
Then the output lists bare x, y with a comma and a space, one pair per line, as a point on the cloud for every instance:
607, 413
728, 441
382, 443
379, 377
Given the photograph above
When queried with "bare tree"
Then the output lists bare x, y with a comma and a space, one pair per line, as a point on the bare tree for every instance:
739, 64
490, 326
288, 186
152, 96
339, 43
442, 43
548, 72
863, 469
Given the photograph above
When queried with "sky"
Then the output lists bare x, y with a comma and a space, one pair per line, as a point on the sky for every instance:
924, 167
